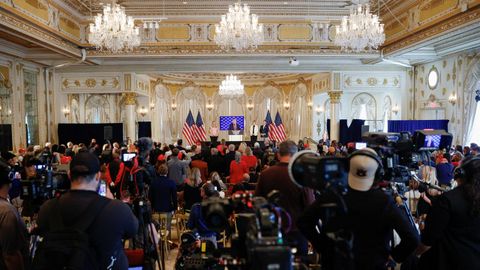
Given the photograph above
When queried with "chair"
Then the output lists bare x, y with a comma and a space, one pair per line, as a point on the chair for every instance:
181, 220
163, 231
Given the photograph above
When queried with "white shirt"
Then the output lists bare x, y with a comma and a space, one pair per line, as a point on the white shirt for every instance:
254, 130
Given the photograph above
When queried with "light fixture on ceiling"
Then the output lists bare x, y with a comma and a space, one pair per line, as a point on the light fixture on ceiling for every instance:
231, 87
361, 30
239, 29
114, 30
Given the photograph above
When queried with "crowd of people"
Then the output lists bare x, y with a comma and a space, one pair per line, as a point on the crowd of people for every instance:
173, 178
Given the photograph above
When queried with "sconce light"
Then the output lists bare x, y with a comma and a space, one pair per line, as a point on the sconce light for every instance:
143, 111
395, 109
9, 112
174, 106
286, 105
66, 111
310, 104
152, 105
250, 105
319, 110
209, 106
452, 98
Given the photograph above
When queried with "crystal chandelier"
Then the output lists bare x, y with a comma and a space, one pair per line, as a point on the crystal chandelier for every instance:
238, 29
231, 87
114, 30
360, 30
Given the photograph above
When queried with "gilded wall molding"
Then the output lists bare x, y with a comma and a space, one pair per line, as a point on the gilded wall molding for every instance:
335, 96
449, 24
39, 34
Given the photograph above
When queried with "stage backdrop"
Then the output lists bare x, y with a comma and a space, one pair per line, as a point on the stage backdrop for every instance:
83, 133
5, 137
144, 129
414, 125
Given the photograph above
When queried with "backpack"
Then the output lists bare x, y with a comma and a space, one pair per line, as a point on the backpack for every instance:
68, 248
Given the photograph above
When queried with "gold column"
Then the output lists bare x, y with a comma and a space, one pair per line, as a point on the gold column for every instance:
130, 104
334, 114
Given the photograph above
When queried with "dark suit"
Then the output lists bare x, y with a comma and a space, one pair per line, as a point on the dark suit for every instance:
264, 131
233, 127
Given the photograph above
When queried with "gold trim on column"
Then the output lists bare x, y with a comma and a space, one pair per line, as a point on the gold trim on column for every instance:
335, 96
130, 98
128, 82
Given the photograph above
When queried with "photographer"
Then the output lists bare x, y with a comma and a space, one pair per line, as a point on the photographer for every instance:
82, 223
451, 238
371, 217
142, 171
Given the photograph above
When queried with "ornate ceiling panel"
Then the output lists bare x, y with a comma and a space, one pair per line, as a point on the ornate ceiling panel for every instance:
217, 77
286, 9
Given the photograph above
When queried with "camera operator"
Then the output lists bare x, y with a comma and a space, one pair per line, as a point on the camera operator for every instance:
293, 198
371, 216
142, 171
451, 238
82, 211
13, 236
196, 221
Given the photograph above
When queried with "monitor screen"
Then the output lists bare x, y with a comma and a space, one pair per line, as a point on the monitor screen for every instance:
432, 141
228, 122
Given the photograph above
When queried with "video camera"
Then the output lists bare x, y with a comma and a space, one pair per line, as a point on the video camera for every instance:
258, 242
49, 183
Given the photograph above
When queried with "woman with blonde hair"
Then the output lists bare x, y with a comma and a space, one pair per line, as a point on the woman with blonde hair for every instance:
250, 159
191, 191
242, 147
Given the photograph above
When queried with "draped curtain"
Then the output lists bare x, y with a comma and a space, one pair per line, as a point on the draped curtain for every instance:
268, 98
161, 122
298, 126
471, 85
413, 125
190, 98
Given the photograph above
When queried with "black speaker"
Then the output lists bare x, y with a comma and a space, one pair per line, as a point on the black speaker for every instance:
107, 133
365, 128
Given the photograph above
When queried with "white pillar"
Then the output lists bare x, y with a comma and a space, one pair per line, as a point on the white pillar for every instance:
335, 114
130, 112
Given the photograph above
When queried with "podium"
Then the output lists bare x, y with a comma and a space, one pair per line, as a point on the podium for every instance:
235, 138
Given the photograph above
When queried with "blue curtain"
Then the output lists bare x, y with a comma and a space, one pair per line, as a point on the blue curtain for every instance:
414, 125
144, 129
352, 133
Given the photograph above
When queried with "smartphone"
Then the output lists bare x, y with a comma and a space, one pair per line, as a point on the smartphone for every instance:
102, 188
128, 156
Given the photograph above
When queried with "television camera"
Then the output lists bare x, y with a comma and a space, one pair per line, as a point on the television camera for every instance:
49, 182
257, 242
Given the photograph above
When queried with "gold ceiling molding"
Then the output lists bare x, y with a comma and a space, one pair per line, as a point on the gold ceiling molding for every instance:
36, 32
193, 49
468, 17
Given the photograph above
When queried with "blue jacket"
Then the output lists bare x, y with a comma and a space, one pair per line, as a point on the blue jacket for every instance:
445, 173
163, 194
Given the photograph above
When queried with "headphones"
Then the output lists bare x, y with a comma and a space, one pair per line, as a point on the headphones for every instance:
463, 172
379, 173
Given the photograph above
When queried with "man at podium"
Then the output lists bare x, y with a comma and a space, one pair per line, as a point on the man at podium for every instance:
233, 125
234, 128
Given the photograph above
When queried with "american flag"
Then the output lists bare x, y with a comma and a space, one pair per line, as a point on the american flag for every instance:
271, 127
279, 129
188, 130
200, 129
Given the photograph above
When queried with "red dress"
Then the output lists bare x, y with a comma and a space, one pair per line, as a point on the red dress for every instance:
251, 161
237, 170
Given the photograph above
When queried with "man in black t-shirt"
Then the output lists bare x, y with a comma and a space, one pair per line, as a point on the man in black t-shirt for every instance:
113, 223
